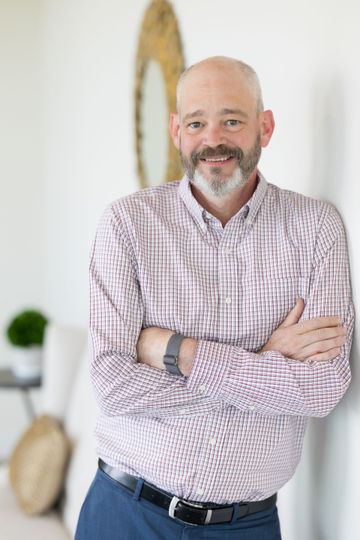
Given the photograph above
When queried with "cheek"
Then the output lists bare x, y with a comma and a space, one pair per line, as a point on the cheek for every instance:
187, 146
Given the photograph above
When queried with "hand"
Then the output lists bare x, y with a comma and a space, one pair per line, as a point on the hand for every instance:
151, 346
314, 339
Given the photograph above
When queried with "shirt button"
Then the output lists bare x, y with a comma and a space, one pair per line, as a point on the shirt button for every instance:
202, 389
212, 441
200, 491
227, 251
252, 407
227, 300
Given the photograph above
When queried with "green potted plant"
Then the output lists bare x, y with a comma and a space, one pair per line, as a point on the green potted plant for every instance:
25, 332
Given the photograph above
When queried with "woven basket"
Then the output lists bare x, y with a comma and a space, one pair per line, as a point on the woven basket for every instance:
38, 464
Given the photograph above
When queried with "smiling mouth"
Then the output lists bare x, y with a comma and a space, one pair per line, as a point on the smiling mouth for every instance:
216, 160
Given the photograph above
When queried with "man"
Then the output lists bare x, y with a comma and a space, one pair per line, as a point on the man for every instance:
221, 319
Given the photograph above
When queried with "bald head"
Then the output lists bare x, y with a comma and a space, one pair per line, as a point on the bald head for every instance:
228, 66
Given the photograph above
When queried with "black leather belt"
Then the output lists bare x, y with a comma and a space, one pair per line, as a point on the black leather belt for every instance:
186, 511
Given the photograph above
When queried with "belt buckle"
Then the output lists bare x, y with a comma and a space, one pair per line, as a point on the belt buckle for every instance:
176, 500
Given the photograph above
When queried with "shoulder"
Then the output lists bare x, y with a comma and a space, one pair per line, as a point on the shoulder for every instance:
142, 204
309, 224
321, 215
152, 197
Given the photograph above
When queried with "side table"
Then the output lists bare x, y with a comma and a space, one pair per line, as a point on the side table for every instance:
8, 380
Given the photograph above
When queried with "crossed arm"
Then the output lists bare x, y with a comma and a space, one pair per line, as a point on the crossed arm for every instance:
303, 369
318, 339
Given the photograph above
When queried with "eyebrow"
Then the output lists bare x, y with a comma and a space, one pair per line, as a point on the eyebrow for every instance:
234, 111
222, 112
188, 116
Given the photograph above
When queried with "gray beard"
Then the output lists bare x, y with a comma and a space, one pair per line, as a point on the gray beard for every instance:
217, 186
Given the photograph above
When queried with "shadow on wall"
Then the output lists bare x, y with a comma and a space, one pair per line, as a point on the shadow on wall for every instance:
330, 475
329, 140
324, 483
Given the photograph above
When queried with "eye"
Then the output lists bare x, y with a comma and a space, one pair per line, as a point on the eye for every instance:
194, 125
232, 122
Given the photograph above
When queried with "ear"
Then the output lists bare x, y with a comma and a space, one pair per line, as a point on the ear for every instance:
174, 127
267, 126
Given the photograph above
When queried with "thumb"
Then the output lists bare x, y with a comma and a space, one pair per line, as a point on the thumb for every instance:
294, 315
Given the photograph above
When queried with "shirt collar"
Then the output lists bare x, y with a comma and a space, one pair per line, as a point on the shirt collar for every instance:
256, 199
199, 214
194, 208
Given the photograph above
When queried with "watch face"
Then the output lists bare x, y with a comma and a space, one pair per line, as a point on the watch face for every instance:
171, 355
170, 360
171, 364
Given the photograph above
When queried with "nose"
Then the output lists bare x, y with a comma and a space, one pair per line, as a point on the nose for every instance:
213, 135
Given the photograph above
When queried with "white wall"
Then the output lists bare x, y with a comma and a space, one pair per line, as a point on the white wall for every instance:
89, 136
22, 254
305, 54
21, 179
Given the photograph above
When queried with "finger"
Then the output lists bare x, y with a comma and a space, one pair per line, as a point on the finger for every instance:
325, 356
322, 346
294, 315
318, 322
322, 334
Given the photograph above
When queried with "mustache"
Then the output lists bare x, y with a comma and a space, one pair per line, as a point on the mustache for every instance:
219, 151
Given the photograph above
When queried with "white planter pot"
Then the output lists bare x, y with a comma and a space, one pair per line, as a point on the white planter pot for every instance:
27, 362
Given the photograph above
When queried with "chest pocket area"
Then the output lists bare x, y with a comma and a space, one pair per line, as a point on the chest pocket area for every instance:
264, 304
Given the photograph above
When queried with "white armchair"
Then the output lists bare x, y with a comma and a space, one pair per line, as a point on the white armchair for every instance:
67, 395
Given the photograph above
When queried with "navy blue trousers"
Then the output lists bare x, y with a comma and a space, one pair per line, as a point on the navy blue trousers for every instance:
111, 512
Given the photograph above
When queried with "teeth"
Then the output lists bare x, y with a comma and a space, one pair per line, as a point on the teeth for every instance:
217, 159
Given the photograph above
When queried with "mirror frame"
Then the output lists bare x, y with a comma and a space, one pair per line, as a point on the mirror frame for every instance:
159, 40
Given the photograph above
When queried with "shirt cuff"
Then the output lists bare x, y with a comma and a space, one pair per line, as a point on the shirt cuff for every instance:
210, 368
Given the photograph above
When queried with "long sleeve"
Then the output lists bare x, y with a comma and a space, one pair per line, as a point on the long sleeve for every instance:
159, 260
270, 383
122, 385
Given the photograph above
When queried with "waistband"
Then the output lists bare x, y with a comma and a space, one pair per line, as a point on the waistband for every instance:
189, 512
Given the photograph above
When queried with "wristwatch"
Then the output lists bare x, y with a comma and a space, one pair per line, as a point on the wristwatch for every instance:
171, 356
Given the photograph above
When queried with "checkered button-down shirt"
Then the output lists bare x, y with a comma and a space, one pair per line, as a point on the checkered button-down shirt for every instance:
233, 429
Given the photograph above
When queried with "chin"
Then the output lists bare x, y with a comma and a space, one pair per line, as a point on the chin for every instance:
217, 186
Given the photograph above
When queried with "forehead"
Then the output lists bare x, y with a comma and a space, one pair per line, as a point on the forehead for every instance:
214, 89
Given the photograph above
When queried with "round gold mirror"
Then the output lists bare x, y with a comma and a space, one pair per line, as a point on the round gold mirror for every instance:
159, 64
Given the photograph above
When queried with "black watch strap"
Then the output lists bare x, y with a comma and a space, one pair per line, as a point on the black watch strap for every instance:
172, 354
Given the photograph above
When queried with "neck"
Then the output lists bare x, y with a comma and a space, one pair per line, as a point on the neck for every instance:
224, 208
